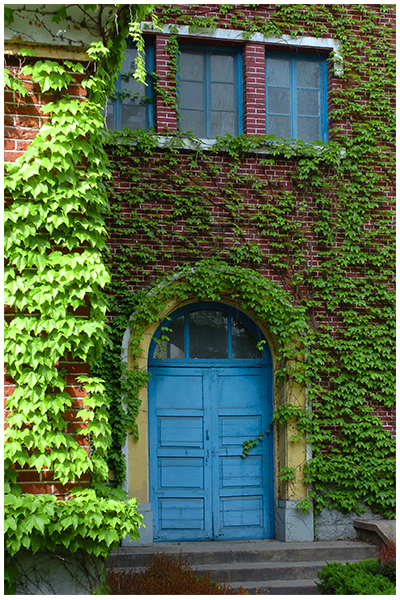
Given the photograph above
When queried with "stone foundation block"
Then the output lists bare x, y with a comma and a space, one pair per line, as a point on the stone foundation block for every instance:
292, 524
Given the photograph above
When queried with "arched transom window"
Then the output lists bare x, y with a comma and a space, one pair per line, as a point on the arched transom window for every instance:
208, 331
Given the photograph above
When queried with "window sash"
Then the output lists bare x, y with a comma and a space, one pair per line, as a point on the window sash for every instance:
295, 121
207, 110
118, 103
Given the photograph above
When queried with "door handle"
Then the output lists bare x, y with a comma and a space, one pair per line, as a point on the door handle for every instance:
207, 434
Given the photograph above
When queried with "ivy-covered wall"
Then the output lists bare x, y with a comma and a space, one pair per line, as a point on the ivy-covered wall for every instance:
57, 430
23, 121
316, 219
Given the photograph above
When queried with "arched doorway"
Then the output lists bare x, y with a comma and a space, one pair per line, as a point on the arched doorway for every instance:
210, 389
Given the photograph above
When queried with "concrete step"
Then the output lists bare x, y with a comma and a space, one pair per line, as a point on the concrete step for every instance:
269, 571
254, 551
260, 566
299, 587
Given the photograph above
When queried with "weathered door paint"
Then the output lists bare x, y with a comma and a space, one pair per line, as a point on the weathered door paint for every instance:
200, 412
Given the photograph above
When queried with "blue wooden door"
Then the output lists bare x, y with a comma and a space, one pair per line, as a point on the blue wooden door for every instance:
200, 412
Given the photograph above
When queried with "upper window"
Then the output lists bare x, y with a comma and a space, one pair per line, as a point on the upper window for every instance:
296, 96
131, 103
210, 92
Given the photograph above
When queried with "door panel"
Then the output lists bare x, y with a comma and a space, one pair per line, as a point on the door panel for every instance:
179, 479
240, 388
240, 490
238, 473
179, 390
237, 429
181, 517
239, 513
174, 471
201, 487
180, 432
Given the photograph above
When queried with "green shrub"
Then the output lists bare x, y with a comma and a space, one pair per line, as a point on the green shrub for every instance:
360, 578
165, 575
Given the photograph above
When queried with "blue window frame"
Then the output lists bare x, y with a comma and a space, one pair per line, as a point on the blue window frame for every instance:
210, 91
131, 103
296, 96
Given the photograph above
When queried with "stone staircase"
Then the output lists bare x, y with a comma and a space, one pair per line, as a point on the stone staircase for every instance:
260, 566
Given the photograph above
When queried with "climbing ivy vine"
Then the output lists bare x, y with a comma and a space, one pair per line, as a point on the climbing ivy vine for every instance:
55, 236
327, 237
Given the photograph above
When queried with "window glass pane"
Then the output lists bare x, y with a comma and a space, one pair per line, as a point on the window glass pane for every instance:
128, 64
308, 102
308, 129
192, 120
208, 334
175, 347
221, 123
222, 96
133, 116
244, 344
279, 101
307, 73
191, 66
279, 126
278, 71
132, 90
221, 68
191, 95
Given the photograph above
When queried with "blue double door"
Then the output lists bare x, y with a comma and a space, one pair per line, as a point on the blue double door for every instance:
201, 488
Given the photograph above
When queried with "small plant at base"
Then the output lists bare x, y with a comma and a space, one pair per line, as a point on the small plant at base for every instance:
166, 575
387, 561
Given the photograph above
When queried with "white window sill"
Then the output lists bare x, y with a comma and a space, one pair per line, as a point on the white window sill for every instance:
213, 145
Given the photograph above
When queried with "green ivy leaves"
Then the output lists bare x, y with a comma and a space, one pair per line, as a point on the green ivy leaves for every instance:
85, 521
328, 236
54, 277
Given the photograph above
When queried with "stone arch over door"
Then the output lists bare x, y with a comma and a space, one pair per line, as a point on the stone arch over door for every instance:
290, 523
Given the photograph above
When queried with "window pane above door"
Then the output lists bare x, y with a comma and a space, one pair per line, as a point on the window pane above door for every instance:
204, 333
175, 346
244, 344
208, 334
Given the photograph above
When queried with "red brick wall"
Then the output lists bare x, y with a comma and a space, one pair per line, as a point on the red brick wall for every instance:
165, 114
254, 89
